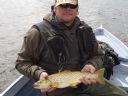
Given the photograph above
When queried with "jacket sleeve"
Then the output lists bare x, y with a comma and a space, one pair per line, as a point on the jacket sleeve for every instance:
97, 58
96, 55
27, 61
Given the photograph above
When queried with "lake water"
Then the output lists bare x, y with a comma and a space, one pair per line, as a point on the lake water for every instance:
17, 16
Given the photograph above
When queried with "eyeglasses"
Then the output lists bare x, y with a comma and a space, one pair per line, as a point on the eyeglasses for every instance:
68, 6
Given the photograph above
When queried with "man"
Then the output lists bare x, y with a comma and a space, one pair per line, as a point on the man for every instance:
63, 42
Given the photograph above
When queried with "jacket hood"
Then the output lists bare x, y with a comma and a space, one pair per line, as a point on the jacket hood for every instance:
51, 18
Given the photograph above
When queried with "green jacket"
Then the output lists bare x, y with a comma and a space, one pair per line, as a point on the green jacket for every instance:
37, 56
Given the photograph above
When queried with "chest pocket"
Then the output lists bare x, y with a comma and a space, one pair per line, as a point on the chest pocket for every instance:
56, 43
58, 47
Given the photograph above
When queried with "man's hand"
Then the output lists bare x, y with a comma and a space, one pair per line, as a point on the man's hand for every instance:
44, 75
88, 68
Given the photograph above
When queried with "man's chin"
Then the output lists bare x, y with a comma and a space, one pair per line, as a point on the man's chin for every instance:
68, 20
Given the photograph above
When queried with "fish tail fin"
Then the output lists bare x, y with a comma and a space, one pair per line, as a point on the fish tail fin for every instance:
100, 78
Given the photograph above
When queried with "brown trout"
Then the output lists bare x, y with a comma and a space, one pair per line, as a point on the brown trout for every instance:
68, 78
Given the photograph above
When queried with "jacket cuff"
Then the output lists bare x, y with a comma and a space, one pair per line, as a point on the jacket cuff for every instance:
37, 73
92, 63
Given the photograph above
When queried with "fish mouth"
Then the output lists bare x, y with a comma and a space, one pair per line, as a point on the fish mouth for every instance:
35, 85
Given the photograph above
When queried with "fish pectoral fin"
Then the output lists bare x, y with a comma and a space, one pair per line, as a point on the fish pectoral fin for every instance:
74, 85
54, 84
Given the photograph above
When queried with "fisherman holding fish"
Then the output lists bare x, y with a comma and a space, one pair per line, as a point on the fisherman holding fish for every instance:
61, 53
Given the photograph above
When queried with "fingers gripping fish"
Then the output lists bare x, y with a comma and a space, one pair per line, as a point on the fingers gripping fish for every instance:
68, 78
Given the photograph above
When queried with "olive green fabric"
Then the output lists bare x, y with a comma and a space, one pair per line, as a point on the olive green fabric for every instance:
35, 55
106, 89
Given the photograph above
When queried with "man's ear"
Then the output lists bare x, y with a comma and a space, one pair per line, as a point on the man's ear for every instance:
77, 11
54, 8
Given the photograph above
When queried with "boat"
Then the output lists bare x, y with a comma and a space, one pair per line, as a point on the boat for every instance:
23, 85
120, 72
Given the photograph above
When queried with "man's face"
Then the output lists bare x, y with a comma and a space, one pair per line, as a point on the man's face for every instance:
66, 13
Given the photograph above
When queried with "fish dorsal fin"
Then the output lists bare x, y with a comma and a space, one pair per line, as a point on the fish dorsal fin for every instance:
65, 71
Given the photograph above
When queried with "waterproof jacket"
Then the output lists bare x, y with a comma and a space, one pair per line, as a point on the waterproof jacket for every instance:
37, 54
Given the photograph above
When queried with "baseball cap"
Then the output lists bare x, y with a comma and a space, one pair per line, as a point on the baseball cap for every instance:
59, 2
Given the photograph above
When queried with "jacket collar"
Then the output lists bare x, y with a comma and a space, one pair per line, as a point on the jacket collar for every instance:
51, 18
